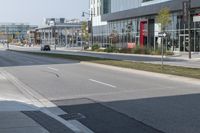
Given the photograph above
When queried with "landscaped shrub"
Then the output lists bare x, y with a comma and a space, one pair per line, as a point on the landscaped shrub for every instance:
139, 50
86, 47
126, 50
156, 52
169, 53
111, 49
95, 47
99, 50
159, 52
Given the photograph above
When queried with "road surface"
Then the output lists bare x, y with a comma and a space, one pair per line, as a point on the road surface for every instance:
110, 100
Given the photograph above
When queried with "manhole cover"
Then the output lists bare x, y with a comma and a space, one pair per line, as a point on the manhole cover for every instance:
73, 116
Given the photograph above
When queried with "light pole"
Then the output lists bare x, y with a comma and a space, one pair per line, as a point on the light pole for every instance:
189, 28
92, 15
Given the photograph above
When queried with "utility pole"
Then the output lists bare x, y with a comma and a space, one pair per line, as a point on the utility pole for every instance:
91, 15
92, 34
189, 28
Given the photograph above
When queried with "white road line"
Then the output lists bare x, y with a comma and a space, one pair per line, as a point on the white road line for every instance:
103, 83
51, 68
2, 77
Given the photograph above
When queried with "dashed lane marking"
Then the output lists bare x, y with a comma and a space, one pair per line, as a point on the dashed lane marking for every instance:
99, 82
51, 68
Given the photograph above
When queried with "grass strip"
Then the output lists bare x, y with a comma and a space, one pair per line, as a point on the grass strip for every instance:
173, 70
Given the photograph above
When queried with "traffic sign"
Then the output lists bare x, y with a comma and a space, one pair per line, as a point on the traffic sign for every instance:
185, 11
196, 18
162, 34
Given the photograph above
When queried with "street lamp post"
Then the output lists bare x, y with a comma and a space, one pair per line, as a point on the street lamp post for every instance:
92, 15
189, 29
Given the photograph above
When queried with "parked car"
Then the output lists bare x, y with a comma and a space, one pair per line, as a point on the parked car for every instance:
45, 48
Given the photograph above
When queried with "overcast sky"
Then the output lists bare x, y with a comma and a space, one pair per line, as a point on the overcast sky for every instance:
33, 11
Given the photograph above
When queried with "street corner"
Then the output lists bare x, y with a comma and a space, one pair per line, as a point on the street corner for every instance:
18, 122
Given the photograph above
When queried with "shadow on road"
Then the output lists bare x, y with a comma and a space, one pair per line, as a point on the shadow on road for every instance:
21, 117
172, 114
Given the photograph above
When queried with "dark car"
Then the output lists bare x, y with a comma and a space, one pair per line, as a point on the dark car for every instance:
45, 48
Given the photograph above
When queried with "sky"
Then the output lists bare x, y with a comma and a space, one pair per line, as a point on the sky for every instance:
34, 11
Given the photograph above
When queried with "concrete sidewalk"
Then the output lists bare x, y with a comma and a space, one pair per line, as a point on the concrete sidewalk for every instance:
19, 112
12, 120
178, 55
17, 122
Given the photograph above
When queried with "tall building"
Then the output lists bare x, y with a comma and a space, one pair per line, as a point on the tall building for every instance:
96, 8
134, 21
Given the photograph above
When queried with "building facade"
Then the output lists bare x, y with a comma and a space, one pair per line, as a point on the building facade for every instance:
58, 32
14, 31
134, 21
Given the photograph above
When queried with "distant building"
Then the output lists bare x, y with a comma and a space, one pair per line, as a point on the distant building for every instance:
59, 32
58, 21
15, 31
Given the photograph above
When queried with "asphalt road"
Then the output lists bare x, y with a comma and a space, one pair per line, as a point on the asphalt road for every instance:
111, 100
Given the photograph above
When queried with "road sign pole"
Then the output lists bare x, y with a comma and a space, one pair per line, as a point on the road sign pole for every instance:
162, 53
162, 35
187, 19
189, 28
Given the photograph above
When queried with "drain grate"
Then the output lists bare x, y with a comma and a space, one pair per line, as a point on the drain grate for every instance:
73, 116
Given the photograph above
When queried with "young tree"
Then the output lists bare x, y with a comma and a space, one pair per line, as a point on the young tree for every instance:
85, 34
129, 31
9, 39
163, 18
114, 37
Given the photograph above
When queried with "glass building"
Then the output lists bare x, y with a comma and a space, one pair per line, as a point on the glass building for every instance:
15, 30
59, 32
134, 21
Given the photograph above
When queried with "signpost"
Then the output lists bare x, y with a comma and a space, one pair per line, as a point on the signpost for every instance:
196, 18
162, 35
185, 11
187, 20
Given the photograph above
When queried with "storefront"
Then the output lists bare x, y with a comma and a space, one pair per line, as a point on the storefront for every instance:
138, 26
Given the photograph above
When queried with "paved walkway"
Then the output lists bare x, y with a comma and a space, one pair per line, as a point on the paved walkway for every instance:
178, 55
18, 122
18, 114
12, 120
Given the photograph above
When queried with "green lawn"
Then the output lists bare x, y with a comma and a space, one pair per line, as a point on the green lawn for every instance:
174, 70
